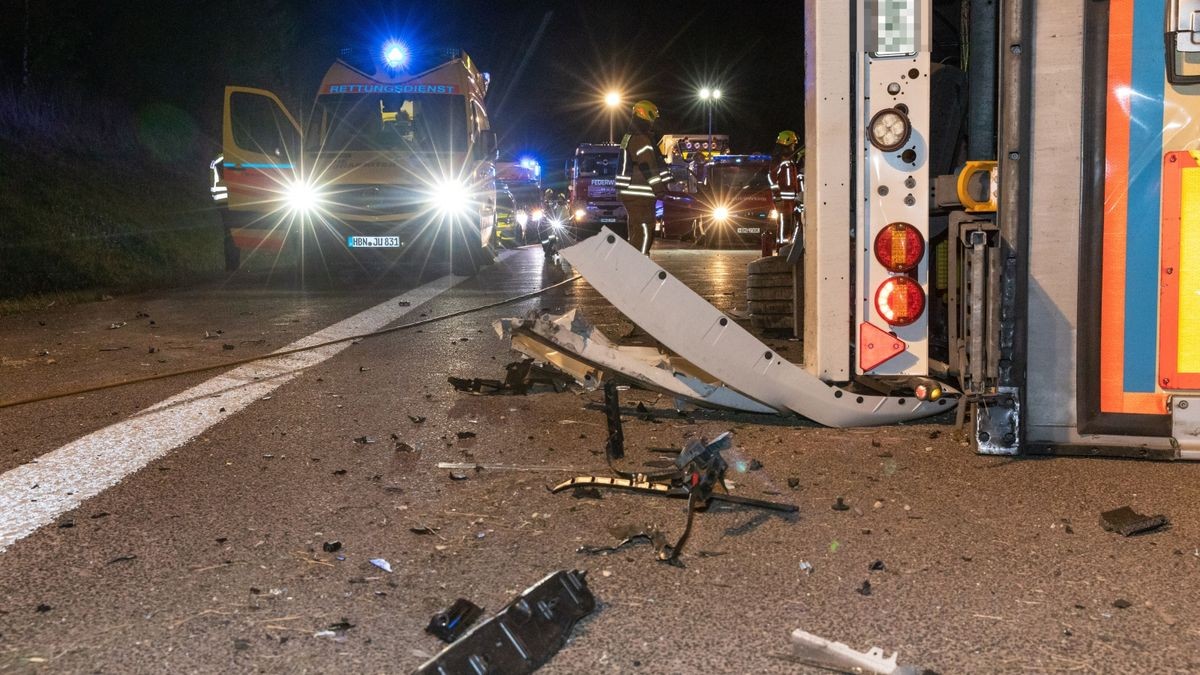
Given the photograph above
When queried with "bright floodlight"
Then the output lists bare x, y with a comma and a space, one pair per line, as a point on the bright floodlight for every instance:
612, 99
705, 94
721, 214
716, 94
395, 54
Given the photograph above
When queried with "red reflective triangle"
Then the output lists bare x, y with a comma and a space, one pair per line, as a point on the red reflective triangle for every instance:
876, 346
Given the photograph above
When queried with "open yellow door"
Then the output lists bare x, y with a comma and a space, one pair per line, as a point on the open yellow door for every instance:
262, 142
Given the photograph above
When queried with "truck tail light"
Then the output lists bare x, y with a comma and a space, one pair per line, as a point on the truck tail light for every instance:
900, 301
899, 247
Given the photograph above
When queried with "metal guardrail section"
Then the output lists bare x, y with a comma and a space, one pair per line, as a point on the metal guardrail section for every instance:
685, 323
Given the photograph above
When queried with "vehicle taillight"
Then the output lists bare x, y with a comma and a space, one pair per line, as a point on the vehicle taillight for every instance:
899, 247
900, 301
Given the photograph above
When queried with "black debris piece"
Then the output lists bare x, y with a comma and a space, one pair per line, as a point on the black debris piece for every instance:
641, 408
66, 525
865, 589
43, 608
1126, 522
363, 369
524, 635
793, 482
340, 472
364, 440
520, 378
449, 624
455, 475
401, 446
341, 626
221, 540
228, 347
877, 566
462, 435
404, 303
1122, 603
123, 558
754, 465
423, 529
934, 434
331, 546
416, 419
840, 505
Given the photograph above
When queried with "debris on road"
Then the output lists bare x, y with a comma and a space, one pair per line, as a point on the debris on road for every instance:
455, 475
793, 482
472, 466
865, 589
365, 440
1122, 603
117, 325
877, 566
823, 653
524, 635
463, 435
806, 567
416, 419
228, 347
449, 624
629, 535
520, 378
423, 529
331, 546
840, 505
1126, 522
381, 564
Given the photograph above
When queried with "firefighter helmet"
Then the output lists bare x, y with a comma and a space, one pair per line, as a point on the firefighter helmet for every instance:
786, 138
645, 110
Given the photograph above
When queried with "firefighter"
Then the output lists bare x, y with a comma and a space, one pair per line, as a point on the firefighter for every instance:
643, 175
784, 178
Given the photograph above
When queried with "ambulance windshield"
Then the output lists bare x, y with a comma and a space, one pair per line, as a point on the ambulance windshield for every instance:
423, 123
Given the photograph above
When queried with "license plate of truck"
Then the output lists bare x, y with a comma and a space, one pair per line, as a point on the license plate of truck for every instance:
748, 230
373, 242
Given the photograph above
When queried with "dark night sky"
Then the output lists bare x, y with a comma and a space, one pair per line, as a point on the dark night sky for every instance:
550, 61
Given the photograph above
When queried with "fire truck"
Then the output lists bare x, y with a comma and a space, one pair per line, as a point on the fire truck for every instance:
1011, 229
592, 188
398, 154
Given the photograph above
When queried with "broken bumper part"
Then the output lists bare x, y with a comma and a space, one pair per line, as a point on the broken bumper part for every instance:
524, 635
689, 326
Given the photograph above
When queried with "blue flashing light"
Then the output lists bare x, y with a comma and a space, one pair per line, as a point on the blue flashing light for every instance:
395, 54
532, 164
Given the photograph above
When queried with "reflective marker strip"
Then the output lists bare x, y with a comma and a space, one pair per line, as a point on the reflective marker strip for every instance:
1179, 280
1188, 270
34, 494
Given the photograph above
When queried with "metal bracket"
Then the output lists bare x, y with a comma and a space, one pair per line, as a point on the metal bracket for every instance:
1185, 424
998, 423
524, 635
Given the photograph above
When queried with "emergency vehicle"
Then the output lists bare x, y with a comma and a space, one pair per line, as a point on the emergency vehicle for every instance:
730, 208
1026, 247
398, 153
680, 148
592, 189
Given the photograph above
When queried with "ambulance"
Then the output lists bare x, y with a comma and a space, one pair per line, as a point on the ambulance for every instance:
397, 155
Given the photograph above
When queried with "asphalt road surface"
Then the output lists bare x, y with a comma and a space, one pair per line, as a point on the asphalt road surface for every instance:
179, 525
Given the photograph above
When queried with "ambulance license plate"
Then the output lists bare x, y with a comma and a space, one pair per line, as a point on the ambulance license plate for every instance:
608, 220
748, 230
372, 242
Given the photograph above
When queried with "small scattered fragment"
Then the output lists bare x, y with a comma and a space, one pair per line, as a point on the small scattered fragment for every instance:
793, 482
806, 567
462, 435
455, 475
331, 546
416, 419
365, 440
1126, 522
754, 465
381, 564
840, 505
449, 624
117, 325
1122, 603
877, 566
423, 529
865, 589
228, 347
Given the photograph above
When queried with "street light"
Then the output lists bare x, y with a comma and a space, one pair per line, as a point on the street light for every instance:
709, 97
612, 99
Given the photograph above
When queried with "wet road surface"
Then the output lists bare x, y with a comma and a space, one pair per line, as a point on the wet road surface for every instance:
210, 558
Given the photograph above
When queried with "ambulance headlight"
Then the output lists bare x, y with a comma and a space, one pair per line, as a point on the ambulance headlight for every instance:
774, 214
721, 214
301, 196
556, 223
580, 214
537, 215
451, 197
889, 129
522, 218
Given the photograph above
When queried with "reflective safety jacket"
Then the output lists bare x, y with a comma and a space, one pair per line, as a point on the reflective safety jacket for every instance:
644, 172
784, 178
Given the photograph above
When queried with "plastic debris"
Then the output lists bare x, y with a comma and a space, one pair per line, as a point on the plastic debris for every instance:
449, 624
331, 546
865, 589
840, 505
837, 656
462, 435
455, 475
1126, 522
365, 440
381, 564
423, 529
117, 325
416, 419
806, 567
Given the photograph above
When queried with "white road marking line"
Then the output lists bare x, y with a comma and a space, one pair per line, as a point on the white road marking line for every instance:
34, 494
